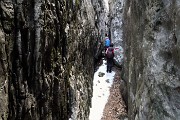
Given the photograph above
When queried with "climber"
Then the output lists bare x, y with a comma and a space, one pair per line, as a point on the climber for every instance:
109, 57
107, 42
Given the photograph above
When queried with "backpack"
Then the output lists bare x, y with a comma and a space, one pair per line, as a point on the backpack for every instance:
110, 53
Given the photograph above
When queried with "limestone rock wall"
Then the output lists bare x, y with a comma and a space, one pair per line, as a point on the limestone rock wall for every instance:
101, 17
152, 58
46, 59
102, 24
115, 20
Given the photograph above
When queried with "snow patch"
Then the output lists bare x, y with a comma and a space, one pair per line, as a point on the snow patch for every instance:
101, 86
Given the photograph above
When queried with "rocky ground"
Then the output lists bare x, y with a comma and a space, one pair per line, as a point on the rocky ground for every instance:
115, 108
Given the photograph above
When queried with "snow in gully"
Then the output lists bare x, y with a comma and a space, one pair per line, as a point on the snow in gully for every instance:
101, 85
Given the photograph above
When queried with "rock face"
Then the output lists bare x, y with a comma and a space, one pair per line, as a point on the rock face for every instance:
115, 20
101, 17
152, 47
46, 59
101, 22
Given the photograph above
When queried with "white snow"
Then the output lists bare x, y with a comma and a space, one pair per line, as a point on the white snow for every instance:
100, 92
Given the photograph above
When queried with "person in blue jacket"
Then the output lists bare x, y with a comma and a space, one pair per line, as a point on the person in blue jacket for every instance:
107, 42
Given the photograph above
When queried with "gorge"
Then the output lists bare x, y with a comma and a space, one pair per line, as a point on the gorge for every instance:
49, 50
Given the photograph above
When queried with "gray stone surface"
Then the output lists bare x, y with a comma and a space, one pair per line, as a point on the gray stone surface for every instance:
115, 20
152, 59
46, 59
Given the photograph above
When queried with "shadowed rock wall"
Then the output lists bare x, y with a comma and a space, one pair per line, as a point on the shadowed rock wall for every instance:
101, 23
152, 58
101, 18
46, 59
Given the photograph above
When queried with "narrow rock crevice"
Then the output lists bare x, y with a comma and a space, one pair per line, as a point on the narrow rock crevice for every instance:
49, 50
